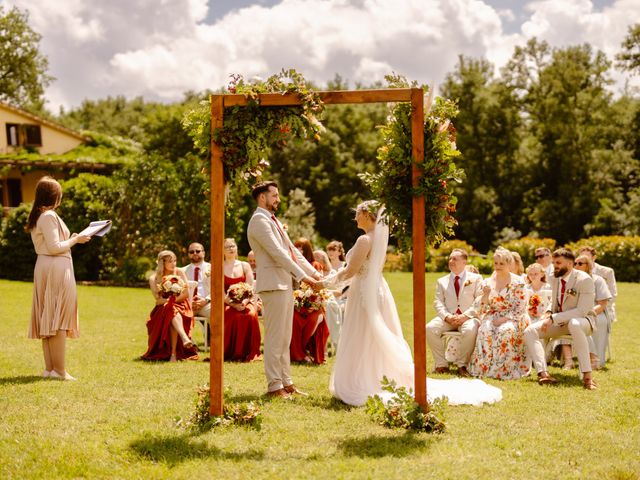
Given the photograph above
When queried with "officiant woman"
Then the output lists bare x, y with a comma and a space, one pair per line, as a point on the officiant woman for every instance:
54, 310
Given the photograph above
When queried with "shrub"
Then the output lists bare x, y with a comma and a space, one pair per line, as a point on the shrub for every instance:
620, 253
438, 258
17, 255
86, 198
483, 264
526, 247
398, 262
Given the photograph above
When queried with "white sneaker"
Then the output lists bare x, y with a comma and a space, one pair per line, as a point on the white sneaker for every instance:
46, 374
66, 376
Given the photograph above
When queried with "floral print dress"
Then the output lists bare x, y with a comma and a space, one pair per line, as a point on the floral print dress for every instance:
500, 351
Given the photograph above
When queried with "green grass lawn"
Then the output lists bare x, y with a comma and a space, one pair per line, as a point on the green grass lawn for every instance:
117, 420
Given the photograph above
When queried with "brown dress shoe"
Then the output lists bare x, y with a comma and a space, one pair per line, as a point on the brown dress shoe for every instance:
293, 390
281, 393
589, 384
463, 372
546, 379
441, 370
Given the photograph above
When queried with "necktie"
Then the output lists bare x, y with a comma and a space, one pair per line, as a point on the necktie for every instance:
275, 220
456, 286
196, 277
564, 285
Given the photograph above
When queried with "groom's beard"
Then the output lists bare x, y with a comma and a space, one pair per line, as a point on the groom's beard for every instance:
272, 208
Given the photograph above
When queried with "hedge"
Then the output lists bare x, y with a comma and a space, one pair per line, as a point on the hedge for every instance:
620, 253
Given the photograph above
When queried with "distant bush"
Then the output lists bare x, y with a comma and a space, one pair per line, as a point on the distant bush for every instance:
526, 247
398, 262
620, 253
438, 258
17, 256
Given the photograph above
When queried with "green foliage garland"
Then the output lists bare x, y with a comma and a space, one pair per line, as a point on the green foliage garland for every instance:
250, 132
391, 185
402, 411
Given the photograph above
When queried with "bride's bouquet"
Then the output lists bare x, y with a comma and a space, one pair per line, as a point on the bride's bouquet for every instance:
239, 292
171, 285
308, 300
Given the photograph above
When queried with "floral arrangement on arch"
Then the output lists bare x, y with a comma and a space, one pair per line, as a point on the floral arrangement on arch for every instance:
171, 285
239, 292
306, 299
250, 132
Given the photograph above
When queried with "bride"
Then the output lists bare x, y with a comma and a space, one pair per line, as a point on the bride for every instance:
371, 344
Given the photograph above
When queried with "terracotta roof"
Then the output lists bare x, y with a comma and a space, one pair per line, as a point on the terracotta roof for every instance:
42, 121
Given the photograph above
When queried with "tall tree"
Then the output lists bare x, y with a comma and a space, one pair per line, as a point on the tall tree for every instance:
565, 104
23, 69
629, 58
488, 137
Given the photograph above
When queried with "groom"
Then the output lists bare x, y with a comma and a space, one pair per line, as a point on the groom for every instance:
278, 261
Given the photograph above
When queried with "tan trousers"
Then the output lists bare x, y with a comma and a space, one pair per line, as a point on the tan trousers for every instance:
468, 332
578, 328
277, 315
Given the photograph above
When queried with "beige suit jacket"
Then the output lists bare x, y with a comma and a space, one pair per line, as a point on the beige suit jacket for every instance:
274, 265
609, 276
446, 302
579, 298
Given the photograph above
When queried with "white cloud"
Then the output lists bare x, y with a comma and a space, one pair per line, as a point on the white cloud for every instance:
161, 49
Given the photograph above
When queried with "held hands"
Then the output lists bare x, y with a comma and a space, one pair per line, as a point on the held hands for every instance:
316, 284
80, 238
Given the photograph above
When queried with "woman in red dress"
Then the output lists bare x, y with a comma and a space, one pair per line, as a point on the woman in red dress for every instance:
241, 327
310, 332
171, 318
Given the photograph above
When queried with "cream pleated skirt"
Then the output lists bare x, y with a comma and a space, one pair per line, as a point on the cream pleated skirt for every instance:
55, 302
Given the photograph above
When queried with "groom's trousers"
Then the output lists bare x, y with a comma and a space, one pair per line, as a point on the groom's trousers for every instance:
277, 315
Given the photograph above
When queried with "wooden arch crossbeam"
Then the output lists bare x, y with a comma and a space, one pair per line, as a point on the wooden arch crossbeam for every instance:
218, 104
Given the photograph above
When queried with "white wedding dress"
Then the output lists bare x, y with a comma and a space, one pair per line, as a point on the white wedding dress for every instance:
371, 343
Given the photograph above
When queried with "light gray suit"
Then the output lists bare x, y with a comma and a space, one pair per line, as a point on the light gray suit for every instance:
275, 269
204, 287
574, 317
447, 303
610, 278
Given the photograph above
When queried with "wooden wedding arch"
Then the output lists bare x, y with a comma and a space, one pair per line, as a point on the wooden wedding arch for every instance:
218, 104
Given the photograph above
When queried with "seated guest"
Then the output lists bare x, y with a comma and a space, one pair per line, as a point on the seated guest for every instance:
454, 303
517, 266
499, 351
172, 317
333, 310
600, 337
609, 277
241, 327
335, 250
323, 260
539, 291
571, 313
543, 257
199, 271
310, 331
251, 260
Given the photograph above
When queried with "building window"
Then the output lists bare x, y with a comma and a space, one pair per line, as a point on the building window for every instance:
23, 135
14, 192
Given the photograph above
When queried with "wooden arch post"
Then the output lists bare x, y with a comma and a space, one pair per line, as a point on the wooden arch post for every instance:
218, 104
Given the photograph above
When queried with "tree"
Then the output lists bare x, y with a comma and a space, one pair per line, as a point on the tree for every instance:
629, 58
300, 217
23, 68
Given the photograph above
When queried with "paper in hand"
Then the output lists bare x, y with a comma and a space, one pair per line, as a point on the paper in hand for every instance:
97, 228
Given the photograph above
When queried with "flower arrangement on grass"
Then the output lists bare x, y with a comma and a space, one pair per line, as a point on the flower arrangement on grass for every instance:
240, 414
402, 411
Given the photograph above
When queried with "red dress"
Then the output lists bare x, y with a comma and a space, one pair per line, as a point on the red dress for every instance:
308, 337
159, 343
241, 329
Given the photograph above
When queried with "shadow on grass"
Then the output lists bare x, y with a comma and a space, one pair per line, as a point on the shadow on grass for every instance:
173, 450
23, 379
329, 403
377, 447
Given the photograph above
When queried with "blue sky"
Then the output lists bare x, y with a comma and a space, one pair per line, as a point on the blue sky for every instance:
160, 49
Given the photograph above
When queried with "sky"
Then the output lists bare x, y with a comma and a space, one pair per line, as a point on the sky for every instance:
160, 49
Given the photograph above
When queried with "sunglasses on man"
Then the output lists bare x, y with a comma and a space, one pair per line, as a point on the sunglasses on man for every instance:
195, 251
